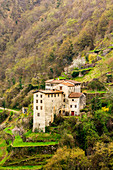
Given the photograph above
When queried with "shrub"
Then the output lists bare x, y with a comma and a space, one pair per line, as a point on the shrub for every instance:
75, 74
36, 130
66, 158
96, 85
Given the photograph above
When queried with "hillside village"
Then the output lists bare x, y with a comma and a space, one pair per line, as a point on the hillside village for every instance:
59, 97
56, 77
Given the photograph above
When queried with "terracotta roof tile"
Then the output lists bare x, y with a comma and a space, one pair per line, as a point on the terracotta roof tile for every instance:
54, 81
73, 81
48, 81
60, 81
74, 95
49, 91
67, 84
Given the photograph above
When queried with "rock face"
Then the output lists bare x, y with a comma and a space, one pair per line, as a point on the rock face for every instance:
17, 131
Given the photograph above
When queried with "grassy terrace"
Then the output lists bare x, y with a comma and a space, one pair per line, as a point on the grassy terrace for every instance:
19, 143
94, 92
9, 130
46, 137
29, 144
22, 167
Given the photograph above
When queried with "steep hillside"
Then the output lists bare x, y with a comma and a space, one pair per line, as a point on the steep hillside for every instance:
39, 38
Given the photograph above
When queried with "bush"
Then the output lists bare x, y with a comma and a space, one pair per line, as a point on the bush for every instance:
75, 74
68, 140
57, 120
9, 148
66, 158
3, 116
96, 85
36, 130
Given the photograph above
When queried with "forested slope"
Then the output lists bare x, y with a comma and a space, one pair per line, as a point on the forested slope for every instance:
39, 38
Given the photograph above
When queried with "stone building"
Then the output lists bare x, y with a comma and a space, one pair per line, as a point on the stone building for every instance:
59, 97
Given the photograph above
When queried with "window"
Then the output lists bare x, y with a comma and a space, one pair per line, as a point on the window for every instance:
36, 95
70, 106
51, 95
40, 107
38, 114
36, 107
41, 96
40, 101
60, 87
54, 95
48, 95
72, 99
36, 101
75, 106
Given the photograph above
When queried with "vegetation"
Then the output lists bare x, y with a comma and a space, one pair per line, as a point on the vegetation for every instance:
22, 167
86, 142
35, 46
40, 40
19, 143
3, 116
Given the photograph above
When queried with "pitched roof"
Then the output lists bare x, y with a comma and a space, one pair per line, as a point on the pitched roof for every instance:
54, 81
48, 81
73, 81
67, 84
49, 91
75, 95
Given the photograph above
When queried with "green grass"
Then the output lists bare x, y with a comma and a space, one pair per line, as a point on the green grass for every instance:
93, 92
8, 130
68, 117
47, 137
22, 167
1, 110
3, 150
97, 71
2, 143
39, 159
85, 69
29, 144
16, 109
19, 143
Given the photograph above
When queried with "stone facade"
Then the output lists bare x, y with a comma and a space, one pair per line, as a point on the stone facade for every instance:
60, 96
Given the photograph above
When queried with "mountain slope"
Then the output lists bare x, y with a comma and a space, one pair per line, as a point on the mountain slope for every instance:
39, 38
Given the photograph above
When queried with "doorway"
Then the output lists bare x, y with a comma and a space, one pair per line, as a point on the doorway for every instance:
72, 113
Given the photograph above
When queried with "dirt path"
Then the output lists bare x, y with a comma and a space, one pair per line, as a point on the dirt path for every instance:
10, 110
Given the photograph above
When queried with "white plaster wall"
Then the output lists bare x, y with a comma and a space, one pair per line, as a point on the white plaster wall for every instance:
52, 106
73, 103
82, 101
48, 86
65, 89
39, 121
77, 88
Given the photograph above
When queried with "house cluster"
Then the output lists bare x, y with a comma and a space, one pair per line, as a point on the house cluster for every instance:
59, 97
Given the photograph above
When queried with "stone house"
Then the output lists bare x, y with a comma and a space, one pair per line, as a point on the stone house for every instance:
59, 97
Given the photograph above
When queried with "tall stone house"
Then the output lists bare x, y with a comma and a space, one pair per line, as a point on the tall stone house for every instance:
59, 97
